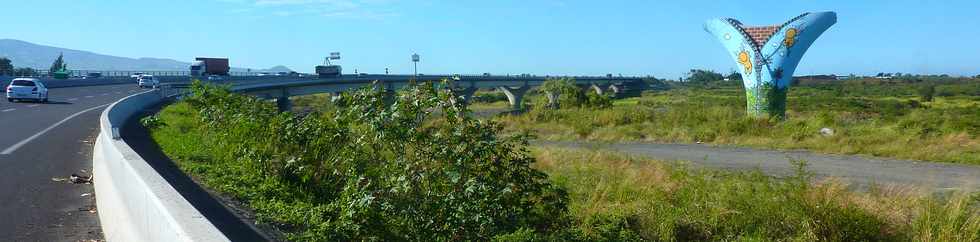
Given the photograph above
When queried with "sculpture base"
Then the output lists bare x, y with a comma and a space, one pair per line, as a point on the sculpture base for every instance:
766, 101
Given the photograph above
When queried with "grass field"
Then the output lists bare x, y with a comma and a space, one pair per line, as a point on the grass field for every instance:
616, 197
871, 118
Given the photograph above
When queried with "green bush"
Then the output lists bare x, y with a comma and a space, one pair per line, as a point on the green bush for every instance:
489, 97
926, 92
572, 96
369, 171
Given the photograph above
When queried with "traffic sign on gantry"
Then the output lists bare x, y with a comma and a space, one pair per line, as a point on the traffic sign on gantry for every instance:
767, 56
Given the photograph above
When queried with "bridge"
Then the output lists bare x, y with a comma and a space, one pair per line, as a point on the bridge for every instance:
514, 87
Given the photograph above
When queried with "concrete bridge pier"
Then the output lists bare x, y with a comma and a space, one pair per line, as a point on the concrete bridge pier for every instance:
282, 100
465, 93
515, 96
284, 104
389, 97
388, 94
597, 89
616, 90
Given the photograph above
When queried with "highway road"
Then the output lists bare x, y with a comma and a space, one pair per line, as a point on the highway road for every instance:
41, 145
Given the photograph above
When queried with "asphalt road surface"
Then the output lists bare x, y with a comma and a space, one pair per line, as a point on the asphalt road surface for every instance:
41, 145
857, 170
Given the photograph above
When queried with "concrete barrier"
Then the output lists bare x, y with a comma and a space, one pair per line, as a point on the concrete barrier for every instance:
134, 202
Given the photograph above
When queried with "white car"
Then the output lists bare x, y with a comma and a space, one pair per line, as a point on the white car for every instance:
27, 88
136, 75
147, 81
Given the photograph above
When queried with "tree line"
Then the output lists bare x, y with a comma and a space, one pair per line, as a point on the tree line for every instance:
8, 69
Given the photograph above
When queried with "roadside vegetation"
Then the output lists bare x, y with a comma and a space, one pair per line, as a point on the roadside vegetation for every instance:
368, 171
933, 119
423, 169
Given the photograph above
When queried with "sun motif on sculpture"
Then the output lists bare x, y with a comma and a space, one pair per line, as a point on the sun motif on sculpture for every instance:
790, 39
743, 59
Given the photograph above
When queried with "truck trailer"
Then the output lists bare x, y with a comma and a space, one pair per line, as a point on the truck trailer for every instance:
204, 66
327, 71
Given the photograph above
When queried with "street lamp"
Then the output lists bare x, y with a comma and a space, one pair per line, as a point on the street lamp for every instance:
415, 60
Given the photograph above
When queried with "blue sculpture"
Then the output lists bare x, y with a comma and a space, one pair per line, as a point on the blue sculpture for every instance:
768, 55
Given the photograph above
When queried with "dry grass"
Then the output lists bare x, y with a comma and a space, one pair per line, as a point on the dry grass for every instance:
666, 201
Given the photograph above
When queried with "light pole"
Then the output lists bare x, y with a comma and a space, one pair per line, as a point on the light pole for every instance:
415, 60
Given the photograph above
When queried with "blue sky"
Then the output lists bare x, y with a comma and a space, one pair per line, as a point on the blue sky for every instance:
661, 38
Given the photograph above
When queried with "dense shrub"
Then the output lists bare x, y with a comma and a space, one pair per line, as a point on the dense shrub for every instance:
489, 97
371, 171
926, 92
570, 95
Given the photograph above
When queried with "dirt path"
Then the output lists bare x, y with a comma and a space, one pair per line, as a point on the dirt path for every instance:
858, 170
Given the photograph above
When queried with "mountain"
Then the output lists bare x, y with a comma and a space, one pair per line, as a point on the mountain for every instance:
26, 54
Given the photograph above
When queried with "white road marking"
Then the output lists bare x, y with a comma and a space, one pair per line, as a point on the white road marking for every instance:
89, 96
33, 105
72, 99
118, 92
104, 94
9, 109
16, 146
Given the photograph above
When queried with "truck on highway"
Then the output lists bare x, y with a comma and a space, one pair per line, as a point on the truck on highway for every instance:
204, 66
328, 70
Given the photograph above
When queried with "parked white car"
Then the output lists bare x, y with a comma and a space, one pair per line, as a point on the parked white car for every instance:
27, 88
147, 81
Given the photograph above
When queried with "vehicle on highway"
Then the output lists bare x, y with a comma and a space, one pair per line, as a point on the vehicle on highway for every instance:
27, 88
204, 66
147, 81
93, 75
136, 75
328, 71
215, 78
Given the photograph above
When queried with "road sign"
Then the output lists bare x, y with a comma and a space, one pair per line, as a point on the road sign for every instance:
415, 57
335, 55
